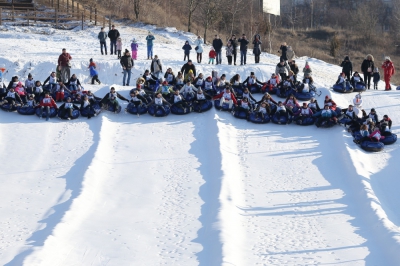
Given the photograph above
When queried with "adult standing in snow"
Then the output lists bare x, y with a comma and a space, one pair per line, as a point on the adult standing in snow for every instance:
217, 44
234, 44
294, 67
283, 51
243, 49
156, 67
290, 54
257, 49
187, 67
150, 39
102, 38
367, 67
127, 65
347, 67
199, 48
64, 65
113, 34
388, 72
229, 52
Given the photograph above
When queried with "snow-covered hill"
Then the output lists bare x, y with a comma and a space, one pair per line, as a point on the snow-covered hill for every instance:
202, 189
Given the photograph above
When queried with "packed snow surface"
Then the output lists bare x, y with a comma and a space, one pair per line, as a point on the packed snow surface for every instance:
202, 189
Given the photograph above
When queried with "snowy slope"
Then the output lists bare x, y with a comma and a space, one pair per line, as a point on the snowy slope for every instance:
202, 189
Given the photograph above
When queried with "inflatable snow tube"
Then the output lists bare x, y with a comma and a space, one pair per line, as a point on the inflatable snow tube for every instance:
305, 96
239, 114
158, 112
238, 91
360, 87
390, 139
96, 110
66, 95
326, 124
26, 110
8, 107
282, 120
224, 107
339, 88
202, 106
344, 120
112, 109
136, 109
53, 112
180, 111
254, 89
372, 146
75, 114
305, 121
258, 119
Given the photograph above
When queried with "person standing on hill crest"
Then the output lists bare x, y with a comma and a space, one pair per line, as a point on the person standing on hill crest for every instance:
156, 67
127, 64
367, 67
64, 65
150, 39
102, 38
388, 72
234, 44
347, 67
199, 48
217, 44
243, 49
113, 34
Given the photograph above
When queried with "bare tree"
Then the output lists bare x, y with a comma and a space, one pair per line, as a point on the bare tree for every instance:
137, 7
233, 7
367, 17
210, 13
191, 5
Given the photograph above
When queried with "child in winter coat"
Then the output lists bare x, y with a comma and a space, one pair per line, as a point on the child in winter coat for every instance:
376, 78
119, 47
95, 75
186, 47
307, 69
212, 55
29, 84
37, 90
92, 63
134, 48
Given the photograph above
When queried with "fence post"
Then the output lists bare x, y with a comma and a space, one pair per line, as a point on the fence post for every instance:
28, 13
77, 8
90, 16
12, 14
82, 19
1, 18
95, 15
35, 13
56, 19
104, 21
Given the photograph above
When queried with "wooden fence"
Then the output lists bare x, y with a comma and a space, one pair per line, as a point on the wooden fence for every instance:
60, 13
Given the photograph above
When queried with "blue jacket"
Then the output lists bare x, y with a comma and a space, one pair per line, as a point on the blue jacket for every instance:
187, 48
93, 71
150, 39
102, 36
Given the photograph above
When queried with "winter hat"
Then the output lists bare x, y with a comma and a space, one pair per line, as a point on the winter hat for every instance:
358, 96
387, 58
282, 60
373, 110
190, 71
91, 60
133, 40
29, 75
369, 120
126, 51
209, 77
304, 104
165, 83
251, 73
307, 66
327, 97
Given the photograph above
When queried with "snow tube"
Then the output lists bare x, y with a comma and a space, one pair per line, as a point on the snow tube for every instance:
87, 112
7, 107
180, 111
326, 124
372, 146
254, 89
239, 114
111, 108
75, 114
305, 96
225, 106
203, 107
133, 109
282, 120
339, 88
360, 87
259, 120
306, 121
390, 139
53, 112
26, 110
238, 90
66, 95
219, 89
344, 121
398, 88
159, 112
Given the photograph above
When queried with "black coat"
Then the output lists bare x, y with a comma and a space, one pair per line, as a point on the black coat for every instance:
234, 44
367, 64
113, 35
257, 47
243, 44
283, 49
294, 68
217, 44
186, 67
347, 67
127, 62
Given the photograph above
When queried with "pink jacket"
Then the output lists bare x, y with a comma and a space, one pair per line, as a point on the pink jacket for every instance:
119, 45
20, 89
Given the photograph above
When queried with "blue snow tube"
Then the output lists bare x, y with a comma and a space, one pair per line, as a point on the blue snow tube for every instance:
327, 124
255, 88
238, 90
259, 119
158, 112
53, 112
339, 88
283, 120
390, 139
219, 89
87, 112
203, 106
368, 145
239, 114
26, 110
345, 120
224, 107
305, 96
75, 114
306, 121
360, 87
139, 109
8, 107
180, 111
66, 95
112, 109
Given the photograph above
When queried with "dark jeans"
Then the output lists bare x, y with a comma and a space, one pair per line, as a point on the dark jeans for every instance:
186, 55
119, 54
113, 46
229, 59
126, 72
66, 111
367, 79
103, 44
234, 56
347, 75
199, 57
257, 59
219, 56
243, 56
95, 78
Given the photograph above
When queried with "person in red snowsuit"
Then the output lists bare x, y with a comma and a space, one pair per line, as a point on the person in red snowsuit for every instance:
46, 103
388, 71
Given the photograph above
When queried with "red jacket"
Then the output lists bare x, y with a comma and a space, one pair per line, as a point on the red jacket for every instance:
388, 68
48, 101
219, 96
333, 104
212, 54
63, 59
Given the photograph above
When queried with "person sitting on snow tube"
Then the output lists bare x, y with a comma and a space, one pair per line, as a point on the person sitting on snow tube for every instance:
356, 79
170, 77
244, 106
235, 80
67, 108
45, 104
268, 99
303, 113
364, 134
327, 115
313, 105
373, 115
166, 90
91, 97
199, 99
247, 94
307, 80
291, 102
370, 124
221, 82
198, 81
350, 118
188, 90
149, 79
29, 84
331, 104
281, 110
12, 98
285, 86
135, 98
342, 81
293, 78
111, 99
252, 81
87, 106
226, 97
52, 79
272, 84
73, 83
38, 91
140, 94
158, 102
13, 83
208, 86
60, 89
180, 102
21, 91
376, 135
385, 124
179, 80
262, 110
31, 101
